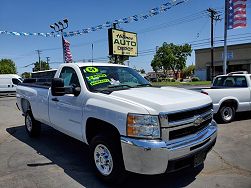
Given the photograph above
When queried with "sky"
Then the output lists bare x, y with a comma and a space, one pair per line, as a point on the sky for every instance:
185, 23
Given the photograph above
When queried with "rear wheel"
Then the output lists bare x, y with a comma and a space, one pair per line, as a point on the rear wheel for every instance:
107, 159
226, 113
32, 126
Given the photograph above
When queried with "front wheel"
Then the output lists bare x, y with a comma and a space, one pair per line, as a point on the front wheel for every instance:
32, 126
107, 159
226, 113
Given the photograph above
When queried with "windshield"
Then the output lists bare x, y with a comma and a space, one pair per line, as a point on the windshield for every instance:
108, 78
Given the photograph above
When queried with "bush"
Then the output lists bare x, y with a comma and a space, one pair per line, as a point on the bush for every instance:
195, 79
170, 80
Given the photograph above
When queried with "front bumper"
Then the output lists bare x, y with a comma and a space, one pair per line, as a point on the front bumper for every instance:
157, 156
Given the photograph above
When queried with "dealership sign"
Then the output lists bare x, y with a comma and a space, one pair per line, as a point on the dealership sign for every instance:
122, 43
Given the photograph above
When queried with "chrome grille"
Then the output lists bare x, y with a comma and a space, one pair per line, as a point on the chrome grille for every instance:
183, 123
188, 130
189, 113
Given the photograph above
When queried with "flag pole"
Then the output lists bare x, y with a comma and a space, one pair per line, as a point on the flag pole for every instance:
63, 45
225, 38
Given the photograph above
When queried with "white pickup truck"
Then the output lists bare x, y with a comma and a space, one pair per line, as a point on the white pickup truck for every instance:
128, 124
230, 93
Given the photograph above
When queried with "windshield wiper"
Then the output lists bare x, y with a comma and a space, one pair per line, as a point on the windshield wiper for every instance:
112, 88
143, 85
120, 85
105, 91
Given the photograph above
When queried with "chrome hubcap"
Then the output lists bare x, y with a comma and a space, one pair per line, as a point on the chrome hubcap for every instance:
28, 123
103, 159
227, 113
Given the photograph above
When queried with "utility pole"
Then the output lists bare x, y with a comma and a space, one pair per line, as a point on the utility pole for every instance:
47, 60
39, 60
213, 14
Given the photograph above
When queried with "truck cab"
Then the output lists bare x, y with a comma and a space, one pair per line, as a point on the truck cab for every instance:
230, 93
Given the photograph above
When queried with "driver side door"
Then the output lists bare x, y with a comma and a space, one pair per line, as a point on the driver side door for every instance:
65, 111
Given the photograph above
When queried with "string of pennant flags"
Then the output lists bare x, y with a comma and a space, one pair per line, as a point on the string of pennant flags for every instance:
152, 12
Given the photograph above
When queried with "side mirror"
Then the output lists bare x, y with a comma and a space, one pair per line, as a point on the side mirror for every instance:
76, 91
57, 87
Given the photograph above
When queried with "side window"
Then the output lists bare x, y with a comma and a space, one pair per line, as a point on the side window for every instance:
15, 81
229, 82
240, 81
69, 76
218, 81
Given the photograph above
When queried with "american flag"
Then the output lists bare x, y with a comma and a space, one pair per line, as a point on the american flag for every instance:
237, 17
67, 52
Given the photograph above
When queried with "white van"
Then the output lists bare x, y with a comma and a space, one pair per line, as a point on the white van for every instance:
9, 82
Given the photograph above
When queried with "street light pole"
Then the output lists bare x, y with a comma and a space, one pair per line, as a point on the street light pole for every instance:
60, 27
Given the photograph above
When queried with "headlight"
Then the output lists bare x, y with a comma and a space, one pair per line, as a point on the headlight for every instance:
143, 126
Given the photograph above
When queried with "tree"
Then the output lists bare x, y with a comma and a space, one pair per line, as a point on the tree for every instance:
142, 71
188, 71
7, 66
171, 57
44, 66
26, 75
120, 59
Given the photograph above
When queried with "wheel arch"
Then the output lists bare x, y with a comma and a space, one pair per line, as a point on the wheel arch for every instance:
233, 102
96, 126
25, 105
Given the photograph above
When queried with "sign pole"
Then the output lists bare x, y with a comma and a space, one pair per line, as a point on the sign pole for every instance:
115, 56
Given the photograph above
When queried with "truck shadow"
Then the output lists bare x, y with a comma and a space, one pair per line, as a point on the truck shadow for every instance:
240, 116
73, 157
243, 116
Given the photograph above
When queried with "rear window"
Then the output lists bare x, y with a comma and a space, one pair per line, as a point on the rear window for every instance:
230, 81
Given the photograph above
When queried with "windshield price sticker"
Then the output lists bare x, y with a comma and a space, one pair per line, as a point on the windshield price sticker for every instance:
96, 77
91, 69
97, 82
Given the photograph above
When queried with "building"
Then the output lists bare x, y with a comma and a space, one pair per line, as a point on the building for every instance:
239, 59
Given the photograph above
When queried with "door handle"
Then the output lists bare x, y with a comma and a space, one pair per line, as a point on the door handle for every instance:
55, 99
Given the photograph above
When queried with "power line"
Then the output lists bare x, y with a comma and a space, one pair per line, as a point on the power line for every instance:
185, 19
153, 50
175, 22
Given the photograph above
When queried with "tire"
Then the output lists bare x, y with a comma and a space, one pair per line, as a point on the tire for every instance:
107, 160
32, 126
226, 113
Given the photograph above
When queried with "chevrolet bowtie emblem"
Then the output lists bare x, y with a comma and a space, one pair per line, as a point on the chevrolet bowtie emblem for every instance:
198, 120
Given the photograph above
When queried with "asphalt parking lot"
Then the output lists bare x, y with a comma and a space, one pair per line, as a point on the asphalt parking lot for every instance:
56, 160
